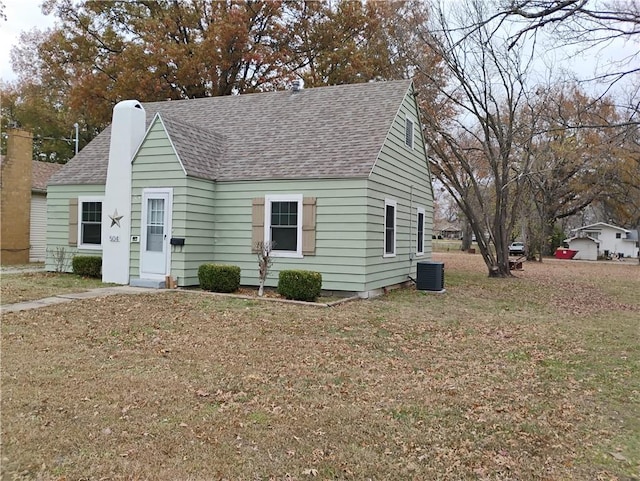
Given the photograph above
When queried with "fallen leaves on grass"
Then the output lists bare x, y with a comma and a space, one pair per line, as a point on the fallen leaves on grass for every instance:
490, 381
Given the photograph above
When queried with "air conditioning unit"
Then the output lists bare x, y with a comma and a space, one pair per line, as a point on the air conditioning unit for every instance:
430, 276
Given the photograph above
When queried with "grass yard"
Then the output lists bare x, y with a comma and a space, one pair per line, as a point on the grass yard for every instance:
536, 378
38, 285
447, 245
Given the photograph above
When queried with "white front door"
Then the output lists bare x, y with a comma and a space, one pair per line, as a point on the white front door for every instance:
156, 231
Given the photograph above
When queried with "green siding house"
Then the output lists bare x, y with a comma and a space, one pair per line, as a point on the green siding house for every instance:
337, 177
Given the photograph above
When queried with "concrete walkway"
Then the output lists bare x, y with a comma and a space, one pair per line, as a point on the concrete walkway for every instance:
62, 298
21, 269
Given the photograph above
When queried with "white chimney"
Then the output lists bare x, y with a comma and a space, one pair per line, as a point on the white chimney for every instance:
127, 131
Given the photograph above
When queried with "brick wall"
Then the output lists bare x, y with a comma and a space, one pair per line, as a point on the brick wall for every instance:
16, 198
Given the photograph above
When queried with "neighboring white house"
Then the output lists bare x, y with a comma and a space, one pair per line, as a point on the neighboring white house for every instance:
601, 239
41, 172
24, 210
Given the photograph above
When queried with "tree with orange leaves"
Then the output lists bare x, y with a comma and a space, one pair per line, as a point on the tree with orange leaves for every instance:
103, 52
575, 158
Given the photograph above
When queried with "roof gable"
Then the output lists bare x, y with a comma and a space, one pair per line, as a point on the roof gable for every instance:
325, 132
600, 225
200, 151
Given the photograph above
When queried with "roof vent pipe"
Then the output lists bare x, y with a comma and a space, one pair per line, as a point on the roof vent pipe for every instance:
297, 85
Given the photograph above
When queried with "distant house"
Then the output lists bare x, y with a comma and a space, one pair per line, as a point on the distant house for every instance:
601, 239
24, 200
450, 231
336, 176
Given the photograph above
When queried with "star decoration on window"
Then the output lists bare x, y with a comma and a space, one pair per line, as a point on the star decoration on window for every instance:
115, 218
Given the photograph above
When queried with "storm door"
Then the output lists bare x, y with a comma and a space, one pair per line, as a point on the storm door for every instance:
154, 248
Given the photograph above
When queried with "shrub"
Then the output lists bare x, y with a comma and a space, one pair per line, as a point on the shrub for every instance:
61, 258
87, 266
300, 285
219, 278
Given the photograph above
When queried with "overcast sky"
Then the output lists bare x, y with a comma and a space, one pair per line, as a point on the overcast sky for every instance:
24, 15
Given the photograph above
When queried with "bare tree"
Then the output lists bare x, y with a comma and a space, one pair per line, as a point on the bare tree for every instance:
265, 261
585, 26
587, 22
571, 168
480, 151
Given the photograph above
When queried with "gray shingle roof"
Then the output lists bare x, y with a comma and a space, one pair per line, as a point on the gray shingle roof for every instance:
324, 132
201, 151
41, 173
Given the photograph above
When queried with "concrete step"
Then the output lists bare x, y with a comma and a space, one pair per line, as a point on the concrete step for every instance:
148, 283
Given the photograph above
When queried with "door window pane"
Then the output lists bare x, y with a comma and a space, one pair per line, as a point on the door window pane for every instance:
155, 225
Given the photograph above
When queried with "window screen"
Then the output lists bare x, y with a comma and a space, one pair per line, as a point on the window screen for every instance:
284, 226
408, 133
390, 229
420, 248
91, 228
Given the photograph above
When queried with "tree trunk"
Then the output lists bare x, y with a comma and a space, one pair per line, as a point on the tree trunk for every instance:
261, 288
638, 230
467, 235
496, 271
500, 269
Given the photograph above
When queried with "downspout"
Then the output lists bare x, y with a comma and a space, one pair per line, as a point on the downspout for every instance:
411, 253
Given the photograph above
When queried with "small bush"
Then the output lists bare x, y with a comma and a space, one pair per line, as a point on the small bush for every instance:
300, 285
87, 266
219, 278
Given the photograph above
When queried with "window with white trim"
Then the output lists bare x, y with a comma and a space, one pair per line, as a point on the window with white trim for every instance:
283, 224
389, 228
408, 132
90, 222
420, 231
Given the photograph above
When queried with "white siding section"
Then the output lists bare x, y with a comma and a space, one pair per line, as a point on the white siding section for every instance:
587, 249
38, 228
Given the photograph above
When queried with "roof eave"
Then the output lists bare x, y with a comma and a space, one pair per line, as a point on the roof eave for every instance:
315, 177
603, 224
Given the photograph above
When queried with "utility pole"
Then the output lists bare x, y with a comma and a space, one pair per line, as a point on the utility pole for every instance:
76, 126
